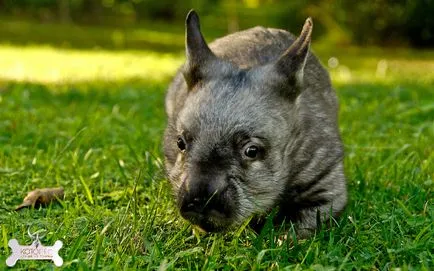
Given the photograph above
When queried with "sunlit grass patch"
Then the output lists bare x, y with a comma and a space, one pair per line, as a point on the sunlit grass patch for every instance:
353, 65
384, 70
154, 36
43, 64
51, 65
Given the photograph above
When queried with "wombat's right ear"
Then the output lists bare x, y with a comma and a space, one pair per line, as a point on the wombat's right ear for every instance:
292, 62
198, 53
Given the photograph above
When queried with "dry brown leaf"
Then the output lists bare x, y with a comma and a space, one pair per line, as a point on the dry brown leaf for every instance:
42, 196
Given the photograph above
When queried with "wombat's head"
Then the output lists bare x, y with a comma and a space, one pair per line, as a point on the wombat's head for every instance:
232, 132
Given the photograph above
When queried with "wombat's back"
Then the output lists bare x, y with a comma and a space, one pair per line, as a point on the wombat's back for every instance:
259, 46
253, 47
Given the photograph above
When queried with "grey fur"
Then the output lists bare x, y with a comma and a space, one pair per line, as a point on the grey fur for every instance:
259, 89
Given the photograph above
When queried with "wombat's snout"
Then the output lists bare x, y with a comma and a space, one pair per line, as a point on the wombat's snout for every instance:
207, 204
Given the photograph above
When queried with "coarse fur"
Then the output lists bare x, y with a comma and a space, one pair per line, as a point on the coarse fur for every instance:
252, 126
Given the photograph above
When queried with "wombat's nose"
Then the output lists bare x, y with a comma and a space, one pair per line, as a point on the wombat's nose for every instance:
199, 204
193, 206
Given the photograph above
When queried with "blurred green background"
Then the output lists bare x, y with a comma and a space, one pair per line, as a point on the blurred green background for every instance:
58, 41
82, 85
375, 22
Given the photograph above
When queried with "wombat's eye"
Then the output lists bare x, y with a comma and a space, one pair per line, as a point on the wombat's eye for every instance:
181, 143
251, 151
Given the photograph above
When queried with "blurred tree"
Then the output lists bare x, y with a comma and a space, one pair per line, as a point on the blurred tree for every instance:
420, 24
231, 15
379, 22
64, 11
93, 8
370, 22
389, 21
326, 15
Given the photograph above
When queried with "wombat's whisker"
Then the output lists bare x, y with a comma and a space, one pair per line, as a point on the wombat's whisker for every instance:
210, 198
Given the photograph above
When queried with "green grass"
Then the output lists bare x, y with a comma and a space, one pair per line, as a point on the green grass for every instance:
156, 36
92, 122
45, 64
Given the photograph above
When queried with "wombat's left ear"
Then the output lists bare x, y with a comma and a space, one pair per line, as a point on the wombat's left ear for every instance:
199, 55
292, 62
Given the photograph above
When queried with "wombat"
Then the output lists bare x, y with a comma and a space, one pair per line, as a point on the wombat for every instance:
252, 127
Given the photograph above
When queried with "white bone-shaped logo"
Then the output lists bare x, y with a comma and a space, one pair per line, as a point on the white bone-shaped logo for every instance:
36, 251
